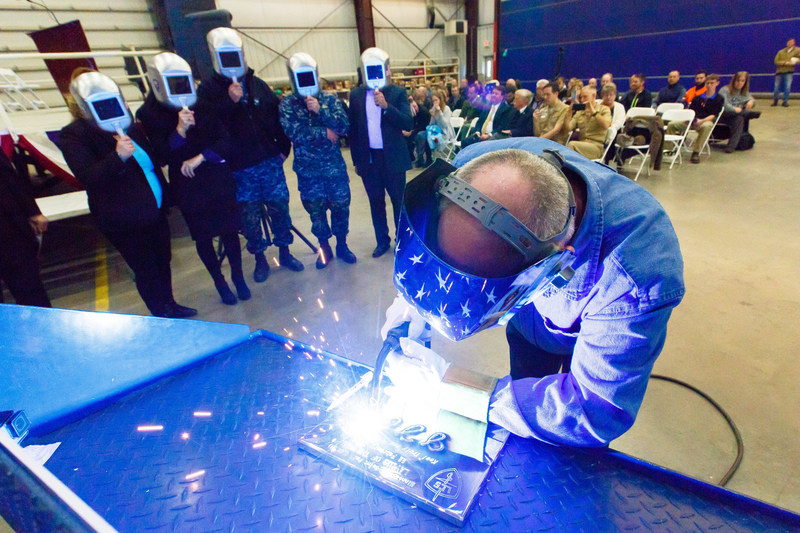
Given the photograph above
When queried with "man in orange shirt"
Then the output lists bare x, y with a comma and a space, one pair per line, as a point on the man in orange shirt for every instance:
699, 86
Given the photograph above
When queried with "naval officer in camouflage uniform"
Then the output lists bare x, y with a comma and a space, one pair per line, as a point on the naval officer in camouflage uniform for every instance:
314, 121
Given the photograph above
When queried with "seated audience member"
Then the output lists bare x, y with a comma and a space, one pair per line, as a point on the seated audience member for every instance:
493, 119
563, 93
549, 121
609, 99
707, 107
416, 137
592, 83
538, 99
440, 116
738, 107
574, 90
456, 101
511, 88
521, 122
606, 79
593, 122
463, 87
673, 92
511, 84
637, 96
698, 88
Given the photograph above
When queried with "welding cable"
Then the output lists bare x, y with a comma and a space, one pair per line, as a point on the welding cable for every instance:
739, 442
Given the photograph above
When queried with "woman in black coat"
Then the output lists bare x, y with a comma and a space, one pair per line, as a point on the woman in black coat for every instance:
203, 186
128, 209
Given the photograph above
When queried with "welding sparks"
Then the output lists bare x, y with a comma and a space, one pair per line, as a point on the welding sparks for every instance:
320, 304
195, 475
260, 444
305, 329
185, 436
322, 256
277, 264
336, 316
149, 428
202, 414
294, 317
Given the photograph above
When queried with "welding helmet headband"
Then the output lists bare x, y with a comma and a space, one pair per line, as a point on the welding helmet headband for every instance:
304, 74
171, 80
375, 63
101, 101
227, 54
456, 303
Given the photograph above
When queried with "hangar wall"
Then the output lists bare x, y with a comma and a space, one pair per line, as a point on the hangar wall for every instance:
653, 37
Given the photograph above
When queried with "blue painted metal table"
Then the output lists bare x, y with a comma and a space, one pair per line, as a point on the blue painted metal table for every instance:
212, 446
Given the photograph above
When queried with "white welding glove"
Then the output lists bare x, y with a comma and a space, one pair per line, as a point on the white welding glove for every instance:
400, 312
418, 369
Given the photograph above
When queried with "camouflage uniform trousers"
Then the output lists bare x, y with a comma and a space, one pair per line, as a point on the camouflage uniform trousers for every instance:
322, 193
264, 183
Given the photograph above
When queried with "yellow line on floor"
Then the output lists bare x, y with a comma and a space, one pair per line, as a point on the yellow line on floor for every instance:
101, 281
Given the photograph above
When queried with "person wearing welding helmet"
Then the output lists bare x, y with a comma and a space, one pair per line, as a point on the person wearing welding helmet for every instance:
581, 264
243, 108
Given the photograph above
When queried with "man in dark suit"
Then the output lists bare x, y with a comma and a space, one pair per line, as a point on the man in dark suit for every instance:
521, 122
20, 223
379, 150
492, 120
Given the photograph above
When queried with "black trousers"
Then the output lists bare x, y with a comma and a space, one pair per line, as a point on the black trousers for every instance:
379, 180
147, 250
19, 269
530, 361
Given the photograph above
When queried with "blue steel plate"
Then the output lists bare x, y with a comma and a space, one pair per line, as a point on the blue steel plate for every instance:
240, 469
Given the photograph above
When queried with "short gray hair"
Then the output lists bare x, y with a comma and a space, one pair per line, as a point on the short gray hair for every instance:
526, 94
609, 88
541, 83
548, 195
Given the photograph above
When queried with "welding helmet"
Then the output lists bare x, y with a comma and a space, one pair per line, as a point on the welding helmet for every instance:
376, 67
303, 74
227, 54
171, 80
456, 303
101, 101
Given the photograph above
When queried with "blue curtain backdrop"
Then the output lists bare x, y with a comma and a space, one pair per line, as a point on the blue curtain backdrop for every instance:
652, 37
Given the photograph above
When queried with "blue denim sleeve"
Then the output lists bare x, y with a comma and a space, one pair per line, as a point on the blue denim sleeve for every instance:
597, 401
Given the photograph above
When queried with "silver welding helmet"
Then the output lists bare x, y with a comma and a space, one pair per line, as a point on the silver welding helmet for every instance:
456, 303
101, 101
171, 80
304, 74
375, 63
227, 54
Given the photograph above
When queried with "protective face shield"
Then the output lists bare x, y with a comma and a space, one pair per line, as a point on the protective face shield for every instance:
171, 80
101, 102
376, 65
227, 54
304, 74
454, 302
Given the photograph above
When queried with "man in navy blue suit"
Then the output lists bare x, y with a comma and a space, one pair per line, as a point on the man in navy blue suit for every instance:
379, 112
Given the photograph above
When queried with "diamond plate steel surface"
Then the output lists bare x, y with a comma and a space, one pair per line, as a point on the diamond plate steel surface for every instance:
226, 459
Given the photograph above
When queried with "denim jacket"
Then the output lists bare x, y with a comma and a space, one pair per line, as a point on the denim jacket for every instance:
611, 316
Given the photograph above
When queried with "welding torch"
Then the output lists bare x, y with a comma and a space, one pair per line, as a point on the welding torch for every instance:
391, 343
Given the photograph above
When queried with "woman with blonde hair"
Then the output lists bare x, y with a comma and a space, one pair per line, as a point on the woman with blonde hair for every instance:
738, 108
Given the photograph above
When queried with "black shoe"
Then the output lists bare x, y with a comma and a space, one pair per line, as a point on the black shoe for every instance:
262, 268
288, 260
241, 289
324, 255
380, 250
785, 104
695, 158
228, 298
175, 310
774, 103
344, 253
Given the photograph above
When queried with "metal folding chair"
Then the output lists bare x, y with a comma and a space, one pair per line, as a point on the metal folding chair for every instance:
673, 153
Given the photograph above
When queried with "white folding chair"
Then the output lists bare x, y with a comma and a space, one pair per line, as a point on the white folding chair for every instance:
611, 134
19, 91
671, 116
457, 123
668, 106
456, 113
642, 150
706, 146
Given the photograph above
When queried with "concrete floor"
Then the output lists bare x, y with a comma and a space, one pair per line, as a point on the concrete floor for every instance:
732, 335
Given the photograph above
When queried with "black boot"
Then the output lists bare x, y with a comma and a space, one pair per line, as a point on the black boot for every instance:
241, 289
287, 260
262, 268
228, 298
343, 252
175, 310
324, 255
